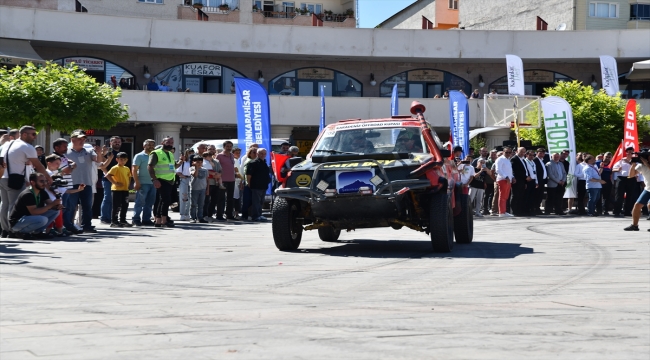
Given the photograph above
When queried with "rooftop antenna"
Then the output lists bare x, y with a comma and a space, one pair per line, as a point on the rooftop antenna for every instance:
561, 27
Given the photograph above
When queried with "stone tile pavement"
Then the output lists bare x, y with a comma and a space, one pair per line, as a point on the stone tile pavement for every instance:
540, 288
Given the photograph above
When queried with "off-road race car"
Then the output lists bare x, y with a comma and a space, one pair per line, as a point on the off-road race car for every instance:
391, 172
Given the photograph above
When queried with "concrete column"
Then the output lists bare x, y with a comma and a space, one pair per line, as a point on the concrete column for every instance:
495, 138
245, 11
161, 131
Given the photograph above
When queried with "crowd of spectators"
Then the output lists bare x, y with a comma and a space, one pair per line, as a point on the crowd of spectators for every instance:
520, 182
42, 195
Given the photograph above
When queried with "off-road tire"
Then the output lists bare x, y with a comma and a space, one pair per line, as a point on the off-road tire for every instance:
441, 223
329, 234
464, 222
287, 232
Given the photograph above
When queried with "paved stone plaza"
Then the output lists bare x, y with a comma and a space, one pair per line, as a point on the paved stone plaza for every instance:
541, 288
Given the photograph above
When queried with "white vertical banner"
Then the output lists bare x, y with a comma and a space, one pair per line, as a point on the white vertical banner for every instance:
610, 74
558, 121
515, 75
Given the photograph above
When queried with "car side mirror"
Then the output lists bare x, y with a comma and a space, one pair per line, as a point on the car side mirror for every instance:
445, 153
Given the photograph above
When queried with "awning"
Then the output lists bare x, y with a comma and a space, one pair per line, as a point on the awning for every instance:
640, 71
18, 52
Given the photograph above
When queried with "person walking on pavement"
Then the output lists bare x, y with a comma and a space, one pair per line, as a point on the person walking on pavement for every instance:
644, 169
162, 170
145, 194
14, 157
107, 202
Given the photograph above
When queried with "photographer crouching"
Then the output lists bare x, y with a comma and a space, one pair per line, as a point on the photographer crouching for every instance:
642, 161
34, 210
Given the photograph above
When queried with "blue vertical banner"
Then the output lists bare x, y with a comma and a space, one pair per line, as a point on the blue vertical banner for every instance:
459, 120
322, 109
253, 115
394, 105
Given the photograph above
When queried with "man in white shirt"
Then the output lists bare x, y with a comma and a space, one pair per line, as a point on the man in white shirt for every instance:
504, 179
14, 157
531, 185
579, 173
644, 169
626, 187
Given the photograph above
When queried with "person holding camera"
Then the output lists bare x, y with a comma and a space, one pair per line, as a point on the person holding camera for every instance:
477, 186
642, 167
34, 210
60, 186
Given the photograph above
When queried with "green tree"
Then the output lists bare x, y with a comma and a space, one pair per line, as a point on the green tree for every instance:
597, 118
57, 98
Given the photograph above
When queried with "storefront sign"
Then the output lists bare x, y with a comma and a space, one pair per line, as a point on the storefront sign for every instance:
194, 84
315, 74
536, 76
90, 64
202, 69
426, 75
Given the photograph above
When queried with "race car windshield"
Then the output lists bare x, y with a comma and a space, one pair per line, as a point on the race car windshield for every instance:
375, 141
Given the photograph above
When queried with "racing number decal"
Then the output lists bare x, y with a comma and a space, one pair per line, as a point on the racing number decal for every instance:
303, 180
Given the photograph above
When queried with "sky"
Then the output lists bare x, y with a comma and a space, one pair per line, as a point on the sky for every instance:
373, 12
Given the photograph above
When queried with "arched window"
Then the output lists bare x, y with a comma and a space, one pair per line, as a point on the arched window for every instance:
199, 78
633, 89
423, 83
100, 69
535, 81
307, 82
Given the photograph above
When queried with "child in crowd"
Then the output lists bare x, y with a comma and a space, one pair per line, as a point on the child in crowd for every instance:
54, 169
198, 189
120, 178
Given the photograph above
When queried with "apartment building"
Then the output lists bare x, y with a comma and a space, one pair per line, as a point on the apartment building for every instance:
425, 14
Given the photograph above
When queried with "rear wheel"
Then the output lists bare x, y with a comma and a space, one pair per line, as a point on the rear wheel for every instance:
464, 222
287, 230
441, 223
329, 233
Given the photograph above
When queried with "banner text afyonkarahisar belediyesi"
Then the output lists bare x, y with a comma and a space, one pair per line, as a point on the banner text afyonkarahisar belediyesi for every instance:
253, 121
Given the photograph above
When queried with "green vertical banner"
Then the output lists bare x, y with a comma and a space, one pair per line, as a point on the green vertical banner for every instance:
558, 121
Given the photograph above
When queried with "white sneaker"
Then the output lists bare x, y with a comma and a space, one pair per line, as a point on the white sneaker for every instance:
505, 215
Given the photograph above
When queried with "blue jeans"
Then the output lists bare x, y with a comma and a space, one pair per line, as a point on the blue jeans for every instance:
257, 199
85, 197
107, 201
35, 223
246, 202
197, 200
594, 195
144, 199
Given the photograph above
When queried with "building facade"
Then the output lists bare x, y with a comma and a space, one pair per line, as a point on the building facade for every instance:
357, 66
425, 14
554, 14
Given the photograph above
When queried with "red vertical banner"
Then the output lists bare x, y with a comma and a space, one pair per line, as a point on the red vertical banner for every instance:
630, 133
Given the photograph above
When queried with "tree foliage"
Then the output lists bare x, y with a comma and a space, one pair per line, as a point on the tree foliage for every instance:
597, 118
56, 97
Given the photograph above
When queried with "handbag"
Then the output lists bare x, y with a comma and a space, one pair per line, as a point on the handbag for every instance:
15, 181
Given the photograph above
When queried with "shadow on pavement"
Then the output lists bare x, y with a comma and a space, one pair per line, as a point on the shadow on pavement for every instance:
11, 254
420, 249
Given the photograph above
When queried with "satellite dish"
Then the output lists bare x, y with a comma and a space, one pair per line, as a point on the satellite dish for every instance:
561, 27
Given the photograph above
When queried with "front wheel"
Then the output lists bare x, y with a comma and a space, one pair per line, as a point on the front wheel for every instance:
329, 233
441, 223
464, 222
287, 230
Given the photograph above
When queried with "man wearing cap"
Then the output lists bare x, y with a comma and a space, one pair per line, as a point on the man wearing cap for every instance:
162, 169
81, 174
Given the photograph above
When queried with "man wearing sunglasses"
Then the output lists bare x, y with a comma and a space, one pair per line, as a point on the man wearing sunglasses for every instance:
14, 158
34, 210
